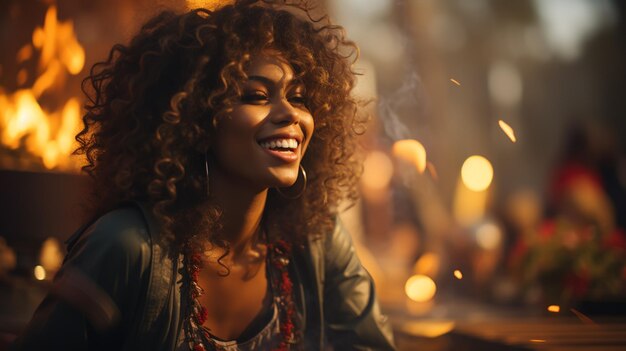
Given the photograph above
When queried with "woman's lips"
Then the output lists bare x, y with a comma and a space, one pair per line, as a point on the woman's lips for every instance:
285, 149
286, 156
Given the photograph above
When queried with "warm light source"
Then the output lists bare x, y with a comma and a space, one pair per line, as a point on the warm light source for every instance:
477, 173
554, 308
412, 151
420, 288
458, 274
23, 120
40, 272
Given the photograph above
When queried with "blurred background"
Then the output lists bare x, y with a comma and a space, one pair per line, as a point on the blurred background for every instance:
493, 200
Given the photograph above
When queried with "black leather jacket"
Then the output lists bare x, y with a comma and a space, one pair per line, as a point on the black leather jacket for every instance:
118, 289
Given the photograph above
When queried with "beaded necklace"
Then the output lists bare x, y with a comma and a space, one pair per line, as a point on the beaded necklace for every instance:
199, 337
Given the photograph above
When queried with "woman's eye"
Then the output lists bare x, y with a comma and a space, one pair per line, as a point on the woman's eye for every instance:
253, 97
298, 100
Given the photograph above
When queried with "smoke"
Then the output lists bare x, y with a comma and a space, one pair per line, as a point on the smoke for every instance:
407, 101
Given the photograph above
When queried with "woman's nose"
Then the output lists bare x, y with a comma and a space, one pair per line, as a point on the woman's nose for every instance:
285, 113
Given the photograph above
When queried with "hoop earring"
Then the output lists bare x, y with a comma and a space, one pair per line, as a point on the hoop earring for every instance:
293, 197
206, 171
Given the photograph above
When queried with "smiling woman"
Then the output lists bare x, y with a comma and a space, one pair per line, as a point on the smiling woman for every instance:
270, 127
220, 145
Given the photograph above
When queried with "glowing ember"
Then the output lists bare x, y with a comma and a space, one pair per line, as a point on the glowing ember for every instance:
458, 274
39, 272
537, 340
24, 54
420, 288
22, 77
412, 151
23, 121
554, 308
507, 130
455, 81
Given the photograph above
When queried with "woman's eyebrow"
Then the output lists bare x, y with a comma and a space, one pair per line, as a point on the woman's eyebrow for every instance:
271, 83
262, 79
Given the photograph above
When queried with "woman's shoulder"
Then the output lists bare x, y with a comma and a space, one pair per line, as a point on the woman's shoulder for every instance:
122, 231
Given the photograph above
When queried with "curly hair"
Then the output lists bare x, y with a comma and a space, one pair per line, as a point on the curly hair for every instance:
154, 103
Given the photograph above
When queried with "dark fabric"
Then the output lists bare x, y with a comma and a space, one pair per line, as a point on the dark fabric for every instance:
132, 300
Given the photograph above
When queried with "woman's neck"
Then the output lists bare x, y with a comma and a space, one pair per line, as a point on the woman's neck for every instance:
242, 210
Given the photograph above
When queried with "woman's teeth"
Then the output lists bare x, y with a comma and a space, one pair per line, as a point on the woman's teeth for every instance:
290, 144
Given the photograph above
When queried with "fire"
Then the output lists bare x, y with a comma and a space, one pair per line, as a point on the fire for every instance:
507, 130
24, 122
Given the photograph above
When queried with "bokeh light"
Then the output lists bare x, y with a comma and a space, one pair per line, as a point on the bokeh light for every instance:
39, 272
420, 288
377, 171
477, 173
488, 236
412, 151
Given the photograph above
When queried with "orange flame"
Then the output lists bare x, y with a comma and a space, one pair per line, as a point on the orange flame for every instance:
23, 121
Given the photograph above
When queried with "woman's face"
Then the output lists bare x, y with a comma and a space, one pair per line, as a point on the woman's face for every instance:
262, 141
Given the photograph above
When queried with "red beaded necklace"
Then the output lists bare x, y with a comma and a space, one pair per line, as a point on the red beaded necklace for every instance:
198, 336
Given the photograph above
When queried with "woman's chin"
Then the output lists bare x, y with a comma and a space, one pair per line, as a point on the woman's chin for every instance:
286, 183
